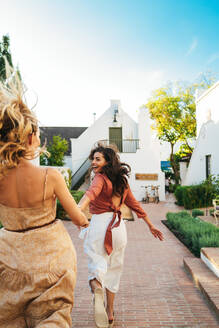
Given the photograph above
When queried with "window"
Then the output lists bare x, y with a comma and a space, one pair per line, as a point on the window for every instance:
115, 137
208, 165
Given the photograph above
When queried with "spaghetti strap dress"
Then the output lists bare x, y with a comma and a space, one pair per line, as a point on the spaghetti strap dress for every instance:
37, 268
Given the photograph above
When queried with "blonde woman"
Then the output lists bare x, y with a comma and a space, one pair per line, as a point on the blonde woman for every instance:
37, 257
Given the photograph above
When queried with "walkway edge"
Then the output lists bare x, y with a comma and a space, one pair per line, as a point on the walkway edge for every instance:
205, 280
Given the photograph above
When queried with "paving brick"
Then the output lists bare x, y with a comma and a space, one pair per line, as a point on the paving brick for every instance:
155, 290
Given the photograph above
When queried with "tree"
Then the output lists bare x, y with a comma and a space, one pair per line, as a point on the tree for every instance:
172, 108
57, 150
5, 53
205, 80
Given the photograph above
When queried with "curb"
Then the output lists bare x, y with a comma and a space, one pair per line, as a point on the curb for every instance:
205, 280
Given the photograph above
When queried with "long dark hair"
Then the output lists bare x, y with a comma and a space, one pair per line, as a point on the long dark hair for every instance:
115, 171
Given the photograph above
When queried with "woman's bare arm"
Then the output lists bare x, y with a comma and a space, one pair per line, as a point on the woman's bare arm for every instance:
84, 202
93, 191
62, 193
132, 203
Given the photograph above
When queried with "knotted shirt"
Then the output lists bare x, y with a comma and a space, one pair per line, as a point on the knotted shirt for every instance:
100, 195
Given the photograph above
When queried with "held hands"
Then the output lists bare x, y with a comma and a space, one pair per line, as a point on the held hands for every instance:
156, 233
83, 226
86, 223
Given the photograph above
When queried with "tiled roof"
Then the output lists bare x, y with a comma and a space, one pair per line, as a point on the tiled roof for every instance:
65, 132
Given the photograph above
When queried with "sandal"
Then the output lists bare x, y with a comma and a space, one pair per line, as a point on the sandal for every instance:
100, 315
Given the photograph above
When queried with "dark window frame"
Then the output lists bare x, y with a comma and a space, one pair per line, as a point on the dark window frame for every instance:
208, 165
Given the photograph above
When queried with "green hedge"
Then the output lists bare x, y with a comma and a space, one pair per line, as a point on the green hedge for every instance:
179, 195
196, 212
172, 187
211, 211
193, 232
77, 194
194, 196
60, 213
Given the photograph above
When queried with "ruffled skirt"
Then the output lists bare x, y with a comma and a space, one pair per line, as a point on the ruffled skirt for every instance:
37, 277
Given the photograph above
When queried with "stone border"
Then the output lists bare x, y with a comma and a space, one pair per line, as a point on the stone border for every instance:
205, 280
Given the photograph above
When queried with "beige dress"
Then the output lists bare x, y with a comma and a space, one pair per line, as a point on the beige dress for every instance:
37, 269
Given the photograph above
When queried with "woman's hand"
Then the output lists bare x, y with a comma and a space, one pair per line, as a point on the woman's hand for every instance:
85, 225
156, 233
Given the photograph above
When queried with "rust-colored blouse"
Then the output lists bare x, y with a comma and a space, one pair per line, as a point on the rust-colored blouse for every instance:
100, 195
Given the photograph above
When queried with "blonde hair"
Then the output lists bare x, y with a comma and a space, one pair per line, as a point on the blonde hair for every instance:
17, 122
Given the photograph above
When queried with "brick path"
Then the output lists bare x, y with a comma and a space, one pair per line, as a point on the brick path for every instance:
155, 290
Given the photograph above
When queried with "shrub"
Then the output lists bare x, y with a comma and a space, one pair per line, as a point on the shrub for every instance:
1, 225
195, 196
77, 194
194, 232
211, 211
172, 187
179, 195
60, 213
196, 212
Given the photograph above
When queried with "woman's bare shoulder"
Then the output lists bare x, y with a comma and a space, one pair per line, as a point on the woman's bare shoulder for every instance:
54, 175
53, 172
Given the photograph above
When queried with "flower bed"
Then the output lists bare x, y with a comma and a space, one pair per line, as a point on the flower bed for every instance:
193, 232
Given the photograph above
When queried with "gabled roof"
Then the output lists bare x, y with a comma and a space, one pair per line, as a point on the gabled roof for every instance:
65, 132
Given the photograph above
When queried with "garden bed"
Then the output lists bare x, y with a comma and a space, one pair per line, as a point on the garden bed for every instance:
178, 235
192, 232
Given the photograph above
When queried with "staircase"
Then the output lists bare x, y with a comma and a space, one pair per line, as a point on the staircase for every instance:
205, 273
79, 175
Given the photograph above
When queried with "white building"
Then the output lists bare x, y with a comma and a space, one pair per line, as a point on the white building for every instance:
135, 142
205, 157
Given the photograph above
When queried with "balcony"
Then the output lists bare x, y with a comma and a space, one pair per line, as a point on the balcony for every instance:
123, 145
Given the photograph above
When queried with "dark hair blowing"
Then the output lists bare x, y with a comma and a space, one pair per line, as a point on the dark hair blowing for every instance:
115, 171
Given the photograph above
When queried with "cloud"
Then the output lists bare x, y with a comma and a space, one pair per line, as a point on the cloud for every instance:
192, 47
213, 58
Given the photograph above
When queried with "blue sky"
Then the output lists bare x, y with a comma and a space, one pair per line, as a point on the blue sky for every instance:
77, 55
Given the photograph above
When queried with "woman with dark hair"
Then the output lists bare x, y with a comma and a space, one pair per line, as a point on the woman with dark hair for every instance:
105, 239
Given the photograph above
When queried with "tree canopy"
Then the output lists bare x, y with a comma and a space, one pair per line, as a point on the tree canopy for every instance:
172, 108
57, 150
5, 53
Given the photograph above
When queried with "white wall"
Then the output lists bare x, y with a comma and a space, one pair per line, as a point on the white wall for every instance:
207, 106
99, 130
138, 163
146, 160
183, 171
207, 144
207, 115
68, 162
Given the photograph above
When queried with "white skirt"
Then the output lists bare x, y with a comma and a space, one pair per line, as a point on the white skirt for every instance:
107, 269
